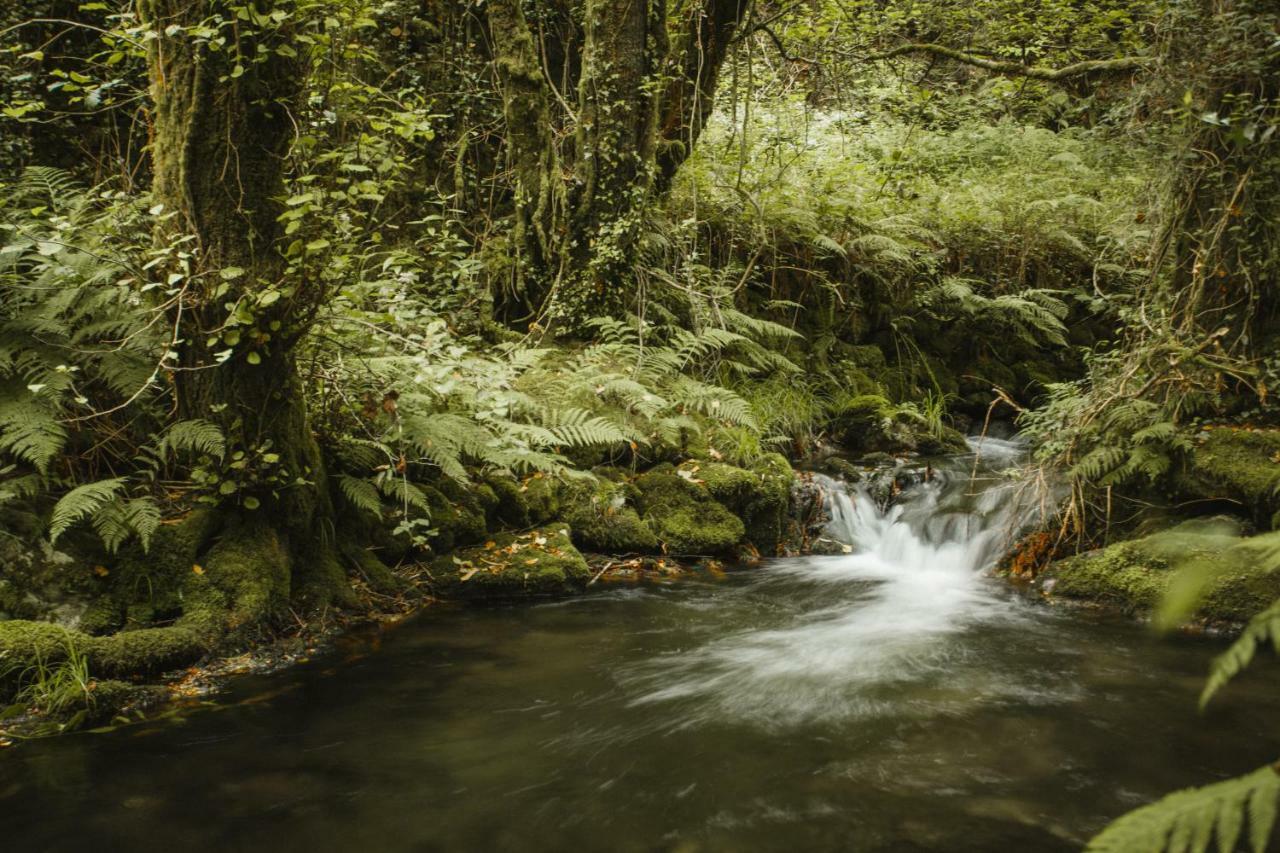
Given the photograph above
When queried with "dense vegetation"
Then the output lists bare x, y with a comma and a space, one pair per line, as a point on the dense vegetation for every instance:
316, 307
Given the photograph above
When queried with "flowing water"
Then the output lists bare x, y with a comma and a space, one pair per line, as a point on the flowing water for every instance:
890, 698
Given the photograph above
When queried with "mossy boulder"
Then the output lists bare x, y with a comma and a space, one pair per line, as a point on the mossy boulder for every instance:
602, 515
942, 441
684, 515
1238, 576
859, 420
544, 497
1239, 466
760, 496
540, 563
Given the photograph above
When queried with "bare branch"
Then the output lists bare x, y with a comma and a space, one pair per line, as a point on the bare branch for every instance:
1035, 72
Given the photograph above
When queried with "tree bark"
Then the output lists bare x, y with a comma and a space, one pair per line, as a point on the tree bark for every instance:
222, 127
709, 27
579, 202
534, 160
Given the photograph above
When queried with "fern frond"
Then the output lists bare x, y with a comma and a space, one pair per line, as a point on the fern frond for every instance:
1262, 628
1186, 821
194, 436
360, 493
120, 519
80, 502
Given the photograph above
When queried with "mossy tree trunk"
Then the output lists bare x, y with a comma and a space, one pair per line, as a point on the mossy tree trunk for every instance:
708, 30
1224, 233
225, 91
589, 150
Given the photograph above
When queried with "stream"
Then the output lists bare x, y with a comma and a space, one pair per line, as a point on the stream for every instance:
891, 698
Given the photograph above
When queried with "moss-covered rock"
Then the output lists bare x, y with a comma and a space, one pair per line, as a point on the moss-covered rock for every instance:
684, 515
942, 441
1240, 576
602, 515
544, 497
540, 563
760, 496
1239, 466
869, 423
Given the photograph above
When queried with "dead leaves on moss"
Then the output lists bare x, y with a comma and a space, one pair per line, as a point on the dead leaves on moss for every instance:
493, 558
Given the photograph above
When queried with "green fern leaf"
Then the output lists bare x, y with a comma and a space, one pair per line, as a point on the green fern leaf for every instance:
80, 502
1261, 628
1187, 820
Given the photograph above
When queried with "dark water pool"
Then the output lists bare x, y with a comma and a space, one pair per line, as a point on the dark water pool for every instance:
548, 728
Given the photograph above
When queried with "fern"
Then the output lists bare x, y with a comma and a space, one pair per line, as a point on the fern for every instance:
117, 521
361, 494
195, 436
1189, 820
81, 502
1261, 628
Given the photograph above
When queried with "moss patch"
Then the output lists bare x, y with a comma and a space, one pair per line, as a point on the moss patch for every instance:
540, 563
603, 517
1240, 576
1237, 465
684, 515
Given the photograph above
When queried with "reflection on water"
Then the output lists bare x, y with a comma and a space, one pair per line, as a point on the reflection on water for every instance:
890, 699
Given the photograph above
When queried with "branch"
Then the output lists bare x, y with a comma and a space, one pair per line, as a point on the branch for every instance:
1035, 72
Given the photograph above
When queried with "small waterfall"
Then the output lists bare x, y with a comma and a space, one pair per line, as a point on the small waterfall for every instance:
876, 615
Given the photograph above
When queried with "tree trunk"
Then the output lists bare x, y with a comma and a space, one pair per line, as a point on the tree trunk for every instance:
624, 50
534, 159
579, 204
709, 28
222, 128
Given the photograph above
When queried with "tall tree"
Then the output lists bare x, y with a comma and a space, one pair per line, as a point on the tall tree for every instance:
593, 137
226, 82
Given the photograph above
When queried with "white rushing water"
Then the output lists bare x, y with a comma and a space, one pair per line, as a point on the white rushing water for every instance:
843, 635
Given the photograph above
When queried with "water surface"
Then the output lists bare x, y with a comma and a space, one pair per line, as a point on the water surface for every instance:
889, 699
